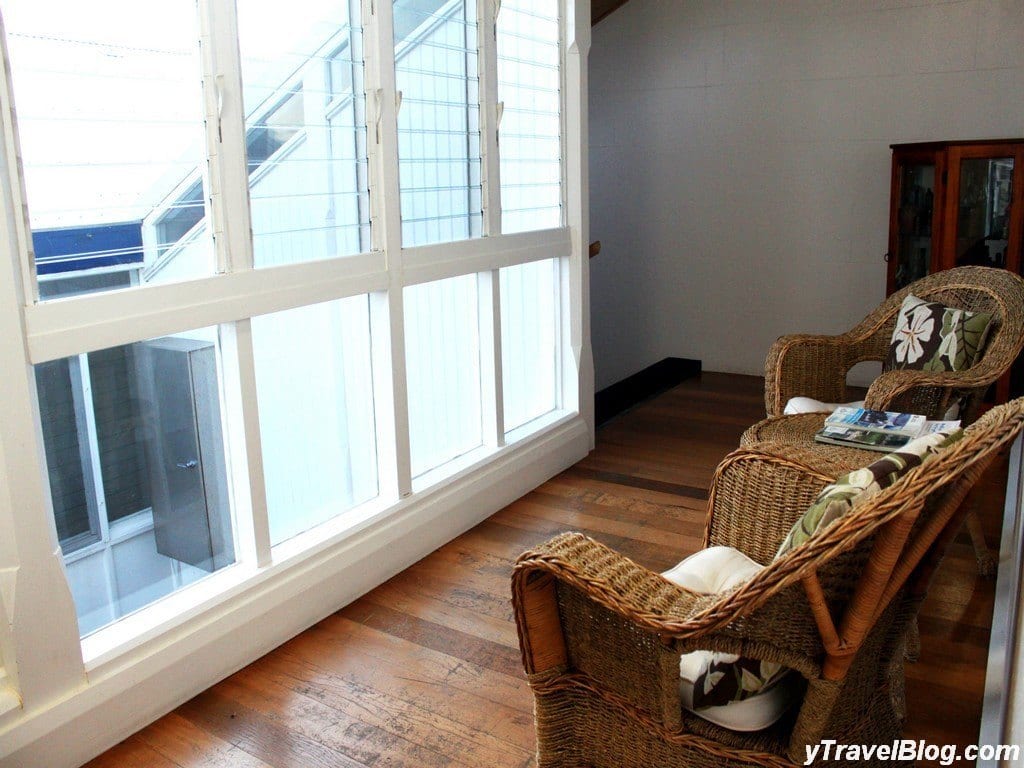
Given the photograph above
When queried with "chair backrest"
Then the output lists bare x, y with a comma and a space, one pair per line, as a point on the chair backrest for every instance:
872, 569
998, 292
895, 530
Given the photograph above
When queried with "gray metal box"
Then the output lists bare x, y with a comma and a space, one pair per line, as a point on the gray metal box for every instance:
184, 445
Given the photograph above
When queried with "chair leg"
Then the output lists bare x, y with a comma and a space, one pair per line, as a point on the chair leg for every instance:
987, 560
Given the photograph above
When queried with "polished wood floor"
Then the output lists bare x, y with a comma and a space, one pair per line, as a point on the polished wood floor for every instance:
424, 671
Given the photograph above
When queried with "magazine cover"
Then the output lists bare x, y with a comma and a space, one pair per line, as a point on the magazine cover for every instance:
877, 421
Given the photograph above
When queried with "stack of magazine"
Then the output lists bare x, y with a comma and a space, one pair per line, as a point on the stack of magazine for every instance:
877, 430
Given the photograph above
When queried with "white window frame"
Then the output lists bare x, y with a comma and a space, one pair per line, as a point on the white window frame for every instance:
123, 676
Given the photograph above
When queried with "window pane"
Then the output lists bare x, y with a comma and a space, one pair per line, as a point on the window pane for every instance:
76, 285
442, 350
439, 120
112, 136
529, 58
316, 412
983, 213
59, 406
135, 453
305, 129
529, 340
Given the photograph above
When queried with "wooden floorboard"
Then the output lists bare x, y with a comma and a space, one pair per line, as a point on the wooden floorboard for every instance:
425, 672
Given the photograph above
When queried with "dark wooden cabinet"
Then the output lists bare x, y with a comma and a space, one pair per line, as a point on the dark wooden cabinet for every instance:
957, 203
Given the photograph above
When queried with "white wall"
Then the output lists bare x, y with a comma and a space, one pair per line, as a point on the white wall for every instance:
740, 159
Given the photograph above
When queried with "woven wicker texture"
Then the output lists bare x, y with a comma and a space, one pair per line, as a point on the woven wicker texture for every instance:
797, 431
816, 366
794, 436
601, 635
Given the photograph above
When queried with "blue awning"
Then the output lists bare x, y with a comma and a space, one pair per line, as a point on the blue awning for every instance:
74, 249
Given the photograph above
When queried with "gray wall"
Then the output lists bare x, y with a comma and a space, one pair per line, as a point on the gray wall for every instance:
740, 160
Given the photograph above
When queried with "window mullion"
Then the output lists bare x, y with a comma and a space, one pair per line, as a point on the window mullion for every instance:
387, 309
490, 112
488, 283
225, 135
492, 409
42, 652
14, 179
245, 444
89, 448
232, 228
577, 358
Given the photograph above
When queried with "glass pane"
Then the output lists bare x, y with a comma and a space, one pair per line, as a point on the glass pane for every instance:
439, 120
135, 455
914, 235
529, 340
112, 137
316, 412
529, 57
305, 129
75, 285
59, 405
442, 351
983, 218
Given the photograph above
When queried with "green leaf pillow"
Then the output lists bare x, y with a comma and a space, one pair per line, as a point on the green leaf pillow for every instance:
854, 488
932, 337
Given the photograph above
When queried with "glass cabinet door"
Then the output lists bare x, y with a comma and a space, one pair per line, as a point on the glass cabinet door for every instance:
982, 221
982, 212
911, 252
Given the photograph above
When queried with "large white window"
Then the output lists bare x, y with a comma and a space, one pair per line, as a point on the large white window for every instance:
291, 300
316, 412
438, 119
305, 103
135, 458
529, 87
110, 118
443, 364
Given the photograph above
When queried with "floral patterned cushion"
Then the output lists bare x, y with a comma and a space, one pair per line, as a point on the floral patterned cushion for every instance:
729, 678
854, 488
933, 337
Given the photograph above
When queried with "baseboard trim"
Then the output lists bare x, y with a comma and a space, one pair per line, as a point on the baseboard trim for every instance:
651, 381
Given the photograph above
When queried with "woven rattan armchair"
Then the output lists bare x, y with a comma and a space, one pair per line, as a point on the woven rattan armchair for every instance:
601, 636
816, 366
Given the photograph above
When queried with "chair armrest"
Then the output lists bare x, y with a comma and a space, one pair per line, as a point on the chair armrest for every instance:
927, 392
582, 609
759, 491
803, 365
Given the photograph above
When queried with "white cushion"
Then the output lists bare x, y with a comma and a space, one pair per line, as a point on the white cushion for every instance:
810, 405
710, 571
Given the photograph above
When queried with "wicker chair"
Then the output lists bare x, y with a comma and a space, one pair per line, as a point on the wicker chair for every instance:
816, 366
601, 636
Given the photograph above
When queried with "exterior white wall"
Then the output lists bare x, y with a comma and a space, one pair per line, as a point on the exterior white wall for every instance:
739, 160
